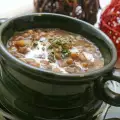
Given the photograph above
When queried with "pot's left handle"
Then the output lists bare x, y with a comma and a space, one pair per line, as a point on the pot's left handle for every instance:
106, 94
2, 20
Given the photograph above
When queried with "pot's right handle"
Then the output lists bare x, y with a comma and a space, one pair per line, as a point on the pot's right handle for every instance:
106, 94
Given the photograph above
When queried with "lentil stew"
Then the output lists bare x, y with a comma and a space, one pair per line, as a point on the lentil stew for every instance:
56, 50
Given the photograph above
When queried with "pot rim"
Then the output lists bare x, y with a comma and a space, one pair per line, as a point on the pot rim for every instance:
38, 71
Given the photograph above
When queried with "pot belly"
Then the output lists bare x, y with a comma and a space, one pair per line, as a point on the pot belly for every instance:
35, 108
30, 88
25, 97
27, 82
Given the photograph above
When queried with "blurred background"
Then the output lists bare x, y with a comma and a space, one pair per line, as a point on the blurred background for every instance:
11, 8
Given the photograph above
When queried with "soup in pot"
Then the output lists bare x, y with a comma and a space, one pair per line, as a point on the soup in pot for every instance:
56, 50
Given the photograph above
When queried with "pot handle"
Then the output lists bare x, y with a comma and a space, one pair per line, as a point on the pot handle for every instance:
2, 20
106, 94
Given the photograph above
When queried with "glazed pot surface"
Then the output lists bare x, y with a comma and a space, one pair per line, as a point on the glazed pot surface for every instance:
22, 84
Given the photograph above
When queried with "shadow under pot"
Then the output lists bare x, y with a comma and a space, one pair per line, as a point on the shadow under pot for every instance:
22, 83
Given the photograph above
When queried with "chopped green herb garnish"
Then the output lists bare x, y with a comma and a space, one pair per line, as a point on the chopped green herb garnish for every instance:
50, 47
35, 44
65, 52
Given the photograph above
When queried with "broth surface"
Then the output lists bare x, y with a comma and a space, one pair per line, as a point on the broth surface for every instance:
56, 50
